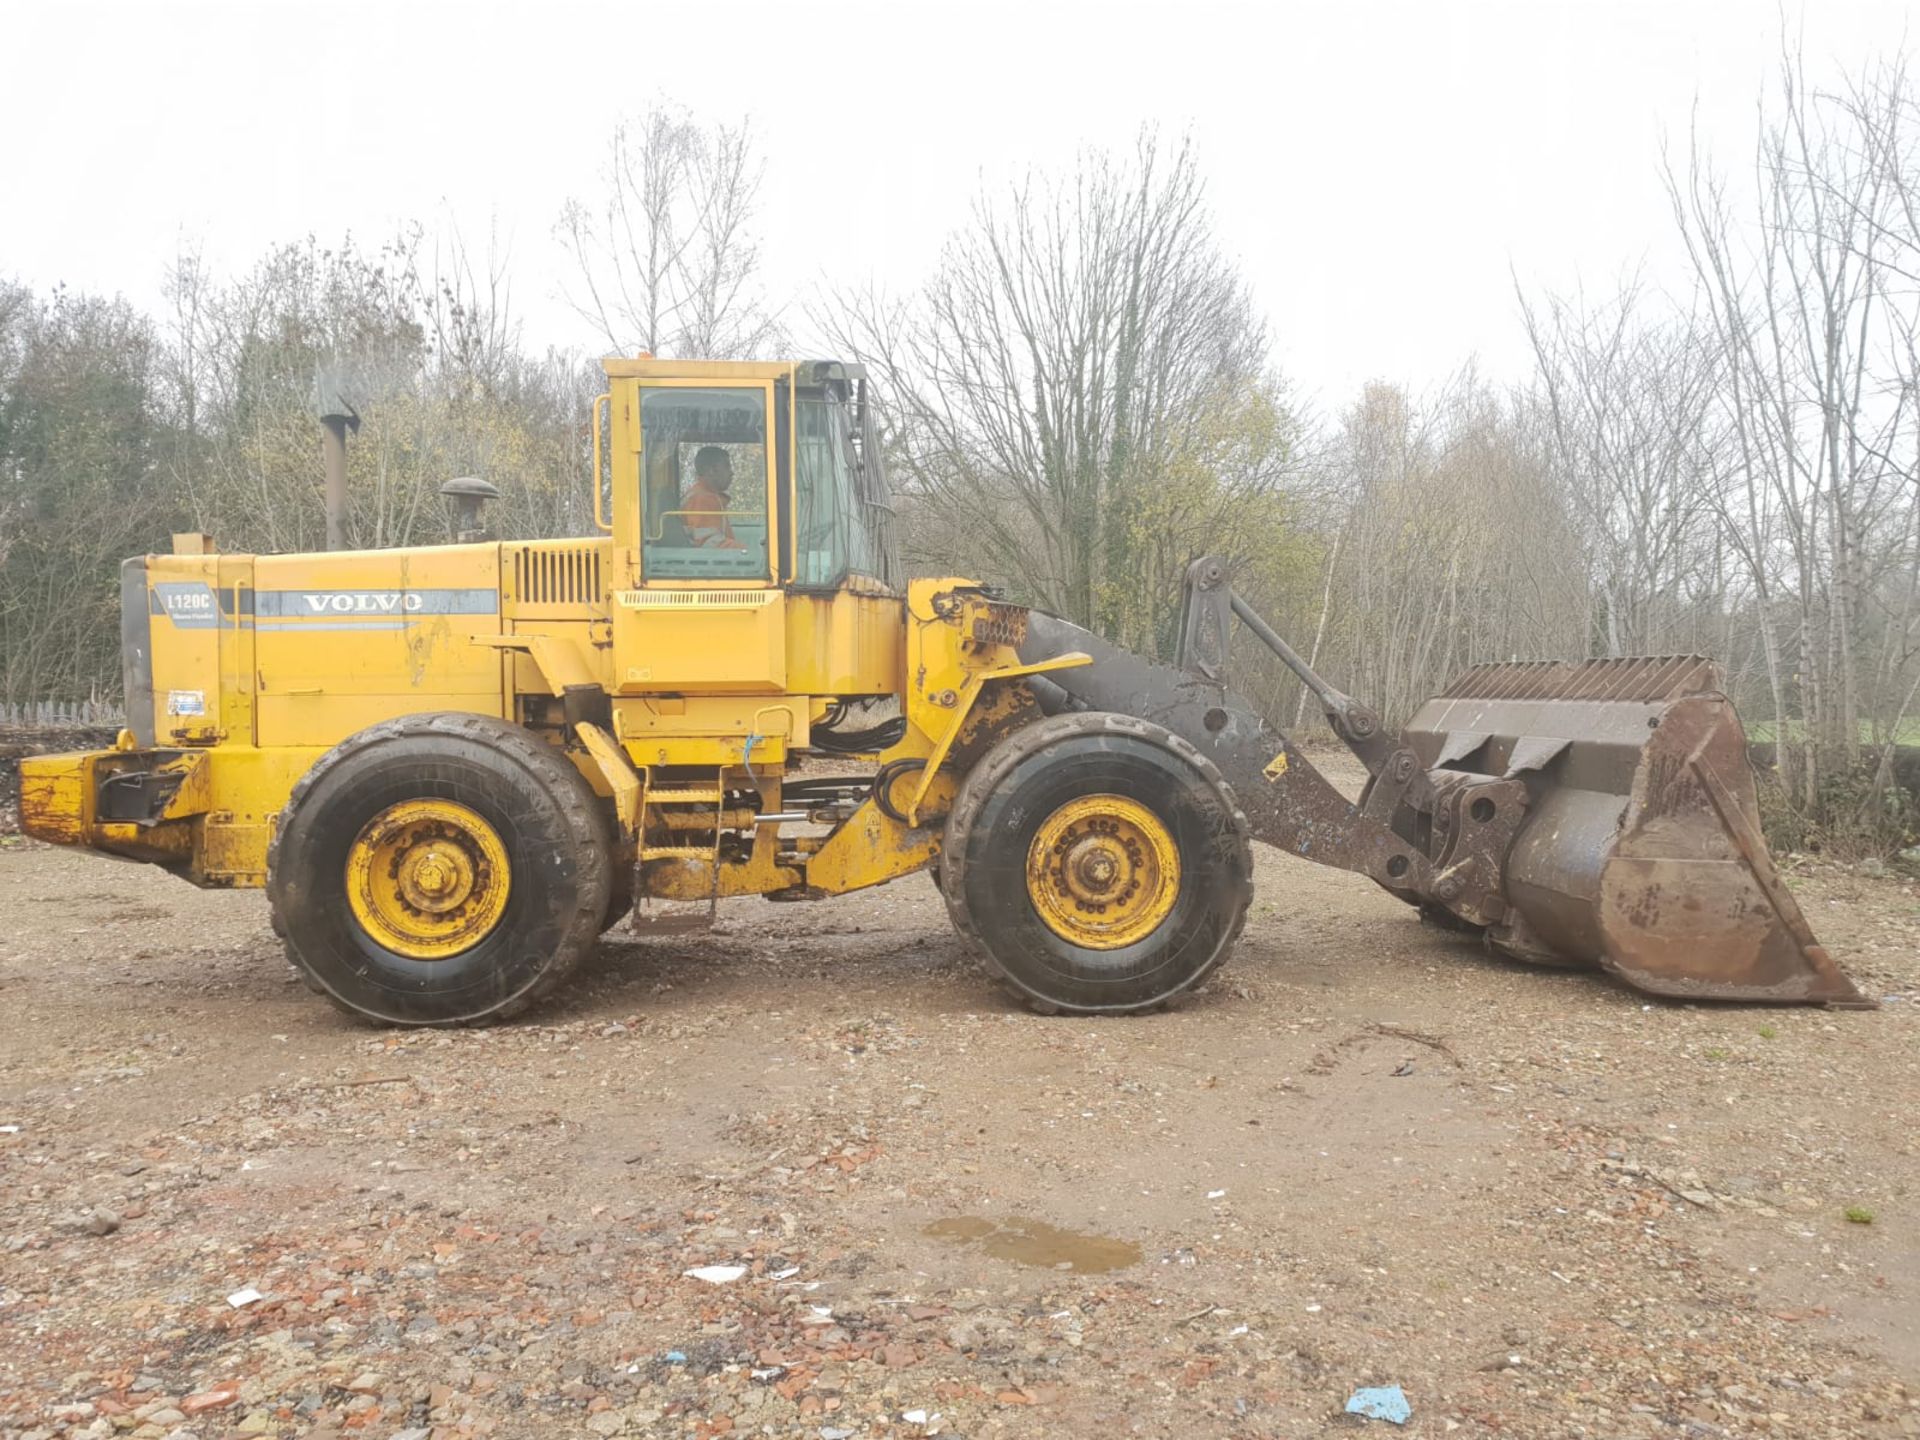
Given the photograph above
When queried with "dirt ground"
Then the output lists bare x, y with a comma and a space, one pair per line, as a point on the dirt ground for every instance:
1367, 1154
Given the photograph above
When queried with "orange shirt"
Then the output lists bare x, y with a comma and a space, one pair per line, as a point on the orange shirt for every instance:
704, 500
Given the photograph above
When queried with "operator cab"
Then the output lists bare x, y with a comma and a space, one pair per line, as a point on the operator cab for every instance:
766, 475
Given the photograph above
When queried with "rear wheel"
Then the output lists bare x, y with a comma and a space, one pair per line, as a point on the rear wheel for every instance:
439, 870
1098, 863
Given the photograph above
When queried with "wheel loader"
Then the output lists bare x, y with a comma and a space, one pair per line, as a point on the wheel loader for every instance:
452, 767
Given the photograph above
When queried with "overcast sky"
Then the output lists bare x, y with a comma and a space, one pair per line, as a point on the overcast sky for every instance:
1379, 170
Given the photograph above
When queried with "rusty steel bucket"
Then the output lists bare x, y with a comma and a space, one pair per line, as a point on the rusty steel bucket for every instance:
1640, 850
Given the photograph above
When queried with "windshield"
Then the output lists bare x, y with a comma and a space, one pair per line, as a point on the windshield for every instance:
703, 496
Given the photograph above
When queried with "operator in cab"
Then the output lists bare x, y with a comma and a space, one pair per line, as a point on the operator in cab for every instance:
703, 509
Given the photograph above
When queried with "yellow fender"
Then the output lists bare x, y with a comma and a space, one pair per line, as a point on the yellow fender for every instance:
969, 691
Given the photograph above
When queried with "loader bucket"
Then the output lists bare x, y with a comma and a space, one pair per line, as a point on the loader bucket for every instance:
1640, 850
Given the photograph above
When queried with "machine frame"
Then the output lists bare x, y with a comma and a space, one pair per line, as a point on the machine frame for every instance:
452, 766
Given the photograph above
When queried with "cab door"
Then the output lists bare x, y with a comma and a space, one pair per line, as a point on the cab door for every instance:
703, 473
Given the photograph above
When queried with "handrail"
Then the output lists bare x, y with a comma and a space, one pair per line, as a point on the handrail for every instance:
598, 520
660, 534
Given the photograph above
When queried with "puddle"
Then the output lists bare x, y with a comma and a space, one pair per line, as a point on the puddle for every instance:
1034, 1242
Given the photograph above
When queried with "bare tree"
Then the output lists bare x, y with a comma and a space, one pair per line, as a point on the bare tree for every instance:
1627, 401
1456, 545
1811, 305
446, 389
666, 259
1884, 112
1080, 392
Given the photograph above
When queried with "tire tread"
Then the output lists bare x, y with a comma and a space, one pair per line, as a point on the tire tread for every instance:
980, 783
570, 792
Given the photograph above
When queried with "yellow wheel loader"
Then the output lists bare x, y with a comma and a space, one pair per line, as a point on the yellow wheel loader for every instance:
452, 767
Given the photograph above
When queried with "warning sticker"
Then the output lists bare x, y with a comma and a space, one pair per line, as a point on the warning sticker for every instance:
186, 702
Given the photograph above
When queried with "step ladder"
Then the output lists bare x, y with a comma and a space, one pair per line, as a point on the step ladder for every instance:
653, 917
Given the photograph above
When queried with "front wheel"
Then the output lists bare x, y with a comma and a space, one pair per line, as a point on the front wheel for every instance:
441, 869
1098, 863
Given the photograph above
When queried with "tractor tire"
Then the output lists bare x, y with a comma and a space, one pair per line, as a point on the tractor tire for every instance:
440, 869
1098, 863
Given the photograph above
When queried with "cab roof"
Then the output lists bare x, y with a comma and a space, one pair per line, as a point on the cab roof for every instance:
802, 372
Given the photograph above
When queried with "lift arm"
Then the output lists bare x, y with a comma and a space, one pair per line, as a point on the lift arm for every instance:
1288, 802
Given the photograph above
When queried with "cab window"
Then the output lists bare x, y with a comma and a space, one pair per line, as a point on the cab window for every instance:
841, 523
703, 483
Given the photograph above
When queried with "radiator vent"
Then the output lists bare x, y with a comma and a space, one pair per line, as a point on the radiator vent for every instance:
696, 599
557, 575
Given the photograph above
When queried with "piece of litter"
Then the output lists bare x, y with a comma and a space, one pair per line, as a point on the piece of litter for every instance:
1216, 1194
1238, 1330
717, 1274
240, 1299
9, 1129
786, 1274
1313, 1309
919, 1417
822, 1315
1381, 1402
769, 1372
676, 1357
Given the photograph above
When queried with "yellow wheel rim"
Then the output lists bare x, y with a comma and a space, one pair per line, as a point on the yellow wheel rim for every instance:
428, 878
1103, 872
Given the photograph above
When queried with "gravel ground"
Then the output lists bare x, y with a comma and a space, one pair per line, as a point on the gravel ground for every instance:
1366, 1155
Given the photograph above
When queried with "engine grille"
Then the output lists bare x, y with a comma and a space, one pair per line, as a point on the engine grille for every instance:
557, 575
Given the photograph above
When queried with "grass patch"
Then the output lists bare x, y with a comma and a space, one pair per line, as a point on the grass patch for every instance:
1859, 1215
1718, 1052
1767, 1032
